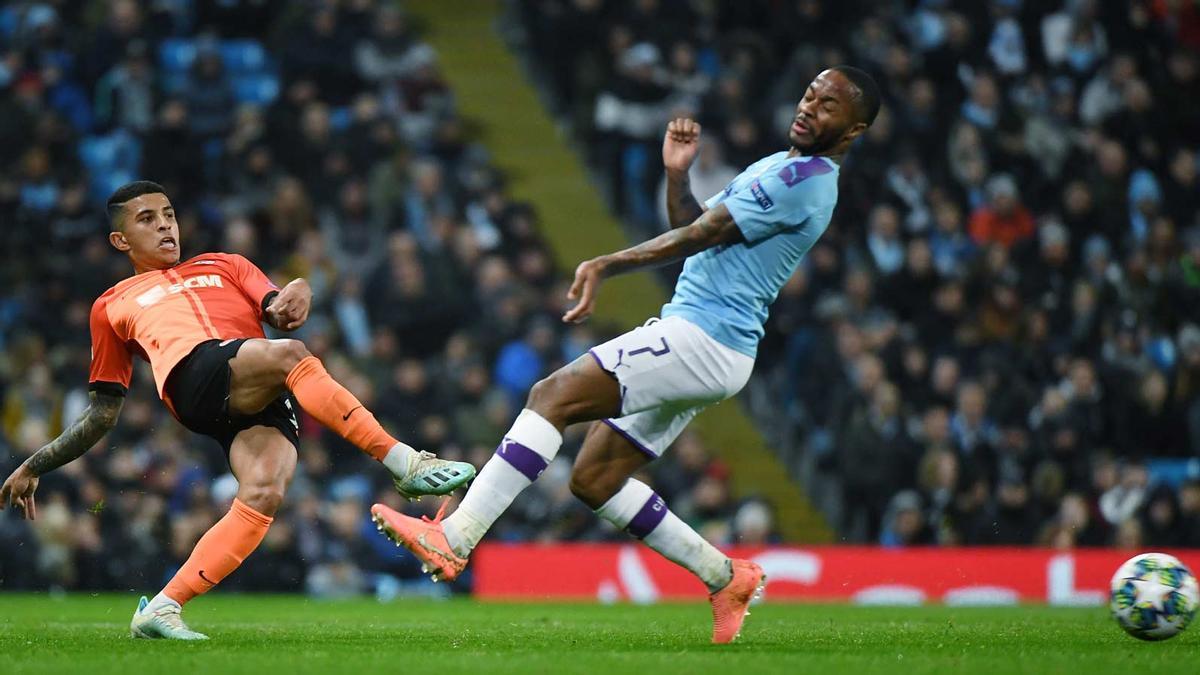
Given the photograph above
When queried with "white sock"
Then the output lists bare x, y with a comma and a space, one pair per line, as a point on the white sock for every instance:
160, 600
399, 458
641, 512
526, 450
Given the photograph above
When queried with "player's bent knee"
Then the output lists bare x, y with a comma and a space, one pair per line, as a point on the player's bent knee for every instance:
593, 485
288, 353
578, 392
583, 490
265, 498
542, 390
579, 486
546, 397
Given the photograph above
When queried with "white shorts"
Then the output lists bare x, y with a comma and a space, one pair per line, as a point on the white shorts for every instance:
669, 370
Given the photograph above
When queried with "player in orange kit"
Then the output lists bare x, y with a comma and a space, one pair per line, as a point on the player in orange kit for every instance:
199, 324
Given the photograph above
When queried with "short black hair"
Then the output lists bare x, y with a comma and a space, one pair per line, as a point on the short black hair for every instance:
867, 102
116, 202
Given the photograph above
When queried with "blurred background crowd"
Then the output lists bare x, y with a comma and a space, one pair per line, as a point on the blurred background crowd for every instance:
319, 140
993, 344
996, 340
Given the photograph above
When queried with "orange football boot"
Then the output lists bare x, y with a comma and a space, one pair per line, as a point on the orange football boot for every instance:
731, 605
422, 536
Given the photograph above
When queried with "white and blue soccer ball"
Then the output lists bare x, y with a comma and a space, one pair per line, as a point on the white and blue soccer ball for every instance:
1154, 596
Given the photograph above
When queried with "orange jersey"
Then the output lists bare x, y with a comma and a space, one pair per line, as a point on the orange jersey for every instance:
162, 315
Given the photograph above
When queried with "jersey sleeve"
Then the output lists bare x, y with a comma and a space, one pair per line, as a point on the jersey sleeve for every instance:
254, 283
712, 201
112, 363
782, 199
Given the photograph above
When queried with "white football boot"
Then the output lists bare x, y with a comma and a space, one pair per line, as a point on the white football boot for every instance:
163, 622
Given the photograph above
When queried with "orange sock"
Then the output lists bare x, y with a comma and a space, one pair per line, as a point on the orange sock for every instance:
323, 398
219, 552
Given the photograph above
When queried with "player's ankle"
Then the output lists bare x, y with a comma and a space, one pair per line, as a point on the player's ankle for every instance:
399, 459
722, 580
161, 600
455, 538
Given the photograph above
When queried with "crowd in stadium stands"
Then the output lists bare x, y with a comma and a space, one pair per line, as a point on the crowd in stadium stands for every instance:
997, 341
319, 140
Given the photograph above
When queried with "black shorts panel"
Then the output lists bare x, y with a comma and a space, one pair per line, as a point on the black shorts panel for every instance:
199, 391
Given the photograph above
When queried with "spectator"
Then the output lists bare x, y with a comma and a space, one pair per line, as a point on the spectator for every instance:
883, 240
752, 525
1154, 428
874, 451
1107, 180
630, 117
1182, 292
1078, 523
1145, 201
317, 52
1187, 382
173, 154
1102, 95
1003, 220
1160, 521
1181, 187
125, 94
1011, 517
939, 480
1189, 513
1072, 37
209, 95
1006, 46
390, 52
1123, 500
353, 237
904, 524
124, 24
973, 431
952, 249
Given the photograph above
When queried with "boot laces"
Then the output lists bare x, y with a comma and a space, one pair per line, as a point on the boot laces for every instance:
437, 518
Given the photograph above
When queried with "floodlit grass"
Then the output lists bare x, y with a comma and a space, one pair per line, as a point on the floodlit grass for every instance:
273, 634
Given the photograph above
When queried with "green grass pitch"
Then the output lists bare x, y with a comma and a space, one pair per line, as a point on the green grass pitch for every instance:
293, 635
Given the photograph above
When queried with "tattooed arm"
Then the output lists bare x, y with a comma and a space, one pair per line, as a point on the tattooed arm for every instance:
99, 418
680, 147
682, 207
713, 228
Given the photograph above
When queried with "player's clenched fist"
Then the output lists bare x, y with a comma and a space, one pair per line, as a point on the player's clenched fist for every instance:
681, 144
289, 309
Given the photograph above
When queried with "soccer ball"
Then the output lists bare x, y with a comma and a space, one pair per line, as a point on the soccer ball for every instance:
1154, 596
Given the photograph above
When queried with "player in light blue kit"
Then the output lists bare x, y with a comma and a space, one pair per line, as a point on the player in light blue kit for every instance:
645, 386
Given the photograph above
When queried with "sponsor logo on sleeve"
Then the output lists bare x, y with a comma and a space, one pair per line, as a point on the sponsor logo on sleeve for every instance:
760, 195
794, 173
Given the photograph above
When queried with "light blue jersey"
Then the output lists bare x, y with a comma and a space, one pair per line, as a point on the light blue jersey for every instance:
782, 206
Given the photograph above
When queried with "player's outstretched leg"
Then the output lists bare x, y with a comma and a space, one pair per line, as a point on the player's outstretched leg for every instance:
262, 370
601, 479
578, 392
263, 462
